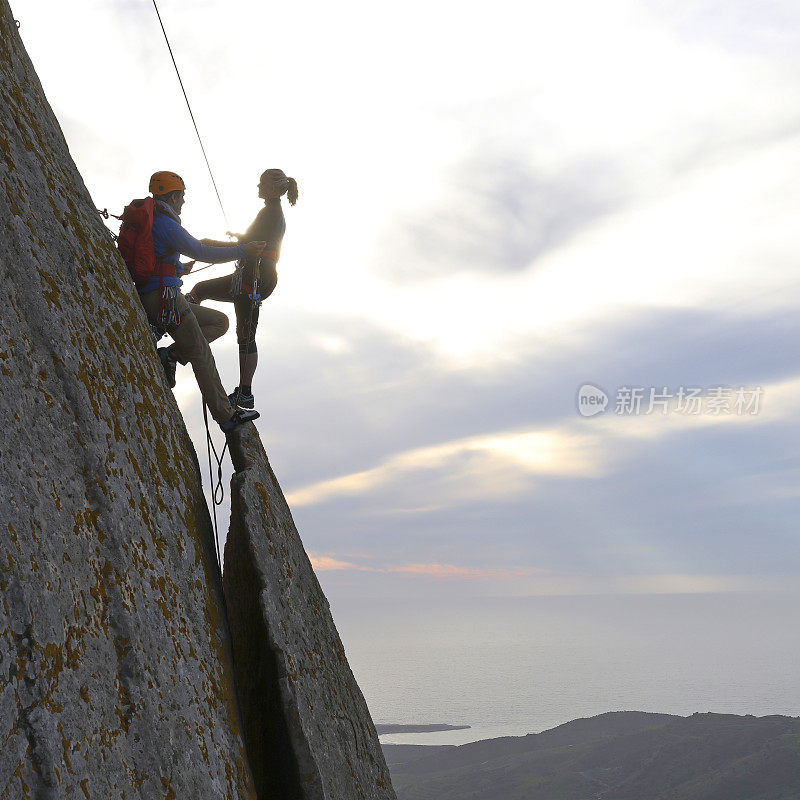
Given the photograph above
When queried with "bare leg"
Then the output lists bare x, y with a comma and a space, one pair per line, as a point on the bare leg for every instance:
247, 368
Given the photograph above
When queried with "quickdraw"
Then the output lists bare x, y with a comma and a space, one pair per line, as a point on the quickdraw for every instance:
105, 215
236, 278
168, 314
255, 297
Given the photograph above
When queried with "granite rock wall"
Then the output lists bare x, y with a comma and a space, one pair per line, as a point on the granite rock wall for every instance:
300, 701
115, 672
116, 669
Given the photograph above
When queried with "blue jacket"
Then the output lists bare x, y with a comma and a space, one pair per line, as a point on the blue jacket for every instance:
171, 240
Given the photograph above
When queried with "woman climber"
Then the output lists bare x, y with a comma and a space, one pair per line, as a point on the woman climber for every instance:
254, 278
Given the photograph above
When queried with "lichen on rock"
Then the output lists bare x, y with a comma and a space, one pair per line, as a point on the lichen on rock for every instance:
116, 668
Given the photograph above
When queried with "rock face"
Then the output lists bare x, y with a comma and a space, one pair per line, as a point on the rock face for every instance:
298, 693
116, 671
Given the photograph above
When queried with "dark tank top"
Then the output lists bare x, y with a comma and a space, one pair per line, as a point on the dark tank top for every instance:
269, 226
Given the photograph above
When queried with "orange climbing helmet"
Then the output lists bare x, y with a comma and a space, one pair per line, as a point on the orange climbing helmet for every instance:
166, 182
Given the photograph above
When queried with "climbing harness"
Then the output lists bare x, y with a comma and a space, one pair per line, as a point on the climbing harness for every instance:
140, 256
217, 489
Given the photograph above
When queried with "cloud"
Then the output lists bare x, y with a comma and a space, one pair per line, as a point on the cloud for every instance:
452, 571
505, 464
671, 494
478, 467
328, 564
767, 28
498, 214
528, 179
323, 563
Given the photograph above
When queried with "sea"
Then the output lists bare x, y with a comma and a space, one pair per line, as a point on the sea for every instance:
512, 666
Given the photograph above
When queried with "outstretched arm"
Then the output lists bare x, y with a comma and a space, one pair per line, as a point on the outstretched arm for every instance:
183, 242
218, 243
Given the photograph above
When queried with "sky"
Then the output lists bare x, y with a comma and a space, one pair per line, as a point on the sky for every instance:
499, 204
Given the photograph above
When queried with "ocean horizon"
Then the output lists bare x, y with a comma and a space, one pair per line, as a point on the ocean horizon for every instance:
513, 666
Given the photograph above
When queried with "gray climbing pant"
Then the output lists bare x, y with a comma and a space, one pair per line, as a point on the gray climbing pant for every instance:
198, 327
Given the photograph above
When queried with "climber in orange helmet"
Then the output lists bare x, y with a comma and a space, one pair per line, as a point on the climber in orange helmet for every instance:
192, 327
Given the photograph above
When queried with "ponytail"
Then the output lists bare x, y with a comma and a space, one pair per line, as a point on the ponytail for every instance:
292, 193
280, 183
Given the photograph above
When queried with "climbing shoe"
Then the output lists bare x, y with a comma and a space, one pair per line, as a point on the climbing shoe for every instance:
239, 418
169, 364
240, 399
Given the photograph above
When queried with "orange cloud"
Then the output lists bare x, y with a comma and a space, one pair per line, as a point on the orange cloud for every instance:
327, 564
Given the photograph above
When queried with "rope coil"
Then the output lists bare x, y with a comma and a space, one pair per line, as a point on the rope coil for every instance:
218, 488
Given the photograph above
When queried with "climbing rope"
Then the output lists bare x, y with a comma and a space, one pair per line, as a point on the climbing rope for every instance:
207, 266
191, 114
104, 212
217, 489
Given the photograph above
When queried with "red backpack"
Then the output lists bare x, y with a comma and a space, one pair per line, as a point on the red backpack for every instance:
135, 242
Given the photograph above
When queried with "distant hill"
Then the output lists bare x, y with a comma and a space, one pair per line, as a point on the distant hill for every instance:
617, 756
